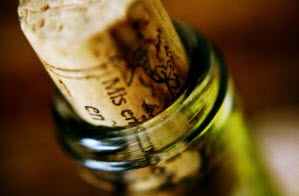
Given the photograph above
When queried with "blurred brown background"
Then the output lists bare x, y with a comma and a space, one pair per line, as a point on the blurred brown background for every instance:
259, 39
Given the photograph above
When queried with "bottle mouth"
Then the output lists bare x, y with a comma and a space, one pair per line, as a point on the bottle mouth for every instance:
163, 136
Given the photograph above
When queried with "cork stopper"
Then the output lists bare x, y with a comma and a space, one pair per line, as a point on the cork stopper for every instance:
118, 63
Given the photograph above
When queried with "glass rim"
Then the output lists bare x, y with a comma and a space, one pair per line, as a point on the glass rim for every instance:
108, 142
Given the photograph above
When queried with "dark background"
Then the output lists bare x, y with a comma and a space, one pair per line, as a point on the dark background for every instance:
259, 39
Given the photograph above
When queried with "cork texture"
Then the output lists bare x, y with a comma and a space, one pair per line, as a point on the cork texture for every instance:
117, 62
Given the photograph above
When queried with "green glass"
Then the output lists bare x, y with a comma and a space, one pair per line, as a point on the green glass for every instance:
199, 145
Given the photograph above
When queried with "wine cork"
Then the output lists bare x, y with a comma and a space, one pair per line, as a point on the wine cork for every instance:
118, 63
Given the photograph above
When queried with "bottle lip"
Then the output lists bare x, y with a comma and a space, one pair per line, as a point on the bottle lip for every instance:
120, 149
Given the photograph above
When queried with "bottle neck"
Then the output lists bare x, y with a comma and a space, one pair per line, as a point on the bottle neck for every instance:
162, 137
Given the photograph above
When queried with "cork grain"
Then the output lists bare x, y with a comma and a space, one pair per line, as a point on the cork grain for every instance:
117, 62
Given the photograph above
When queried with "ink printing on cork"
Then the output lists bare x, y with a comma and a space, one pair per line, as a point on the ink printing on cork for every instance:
118, 63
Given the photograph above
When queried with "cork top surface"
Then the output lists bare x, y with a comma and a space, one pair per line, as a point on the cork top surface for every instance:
70, 19
60, 30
